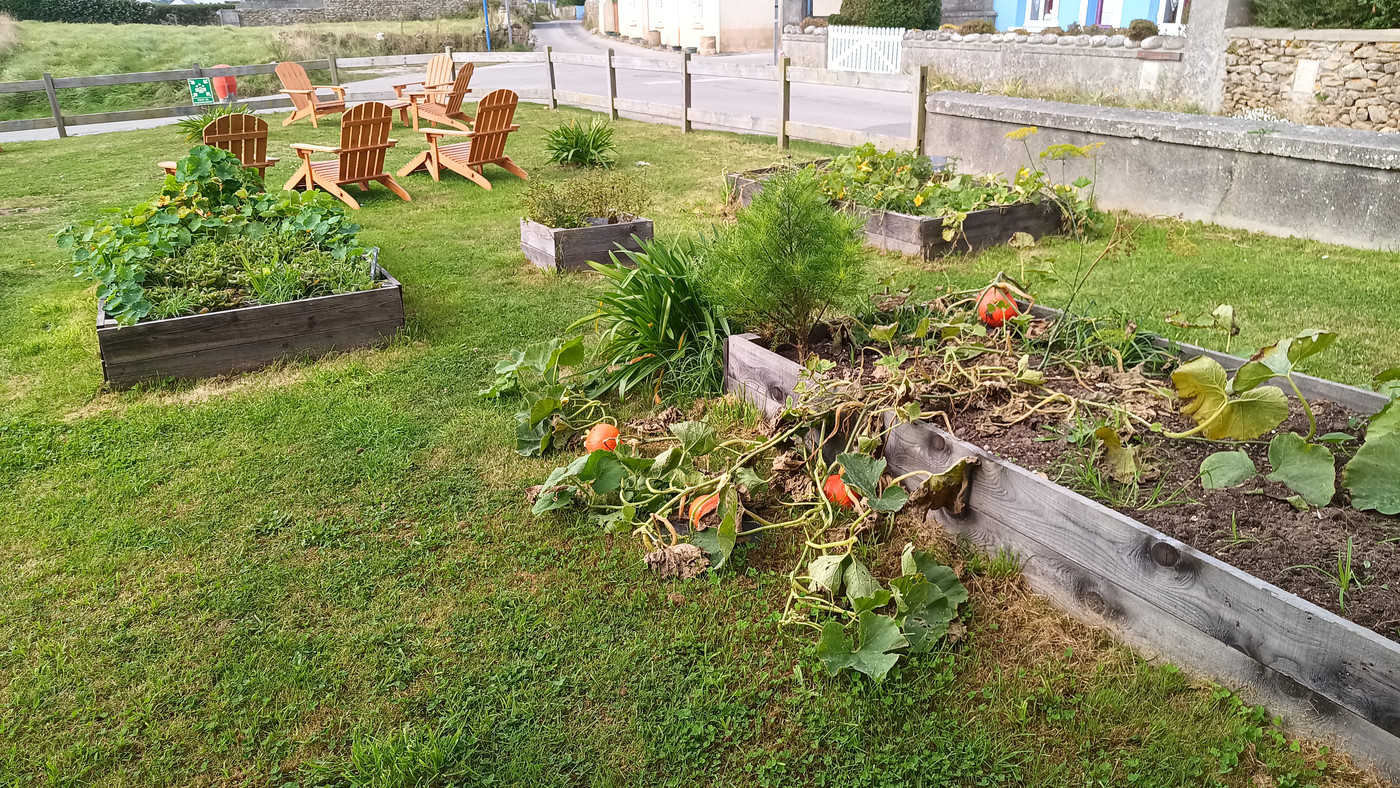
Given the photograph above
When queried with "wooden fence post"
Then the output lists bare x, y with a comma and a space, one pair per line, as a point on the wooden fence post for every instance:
549, 66
785, 93
198, 72
612, 86
920, 116
53, 105
335, 69
685, 93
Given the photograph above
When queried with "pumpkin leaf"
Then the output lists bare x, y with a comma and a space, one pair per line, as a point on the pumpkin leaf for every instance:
1385, 422
892, 500
944, 490
1373, 475
697, 437
826, 572
879, 638
924, 611
1203, 381
1282, 358
874, 602
1245, 417
1120, 461
1388, 382
862, 472
1227, 469
858, 581
1306, 468
604, 471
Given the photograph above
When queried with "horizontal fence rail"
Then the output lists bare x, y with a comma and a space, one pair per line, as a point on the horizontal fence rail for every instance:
682, 113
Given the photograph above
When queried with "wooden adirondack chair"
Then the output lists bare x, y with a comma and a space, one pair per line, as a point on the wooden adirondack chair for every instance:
486, 144
297, 85
439, 77
444, 108
245, 136
364, 141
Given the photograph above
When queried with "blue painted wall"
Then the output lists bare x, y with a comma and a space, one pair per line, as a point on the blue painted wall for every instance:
1011, 14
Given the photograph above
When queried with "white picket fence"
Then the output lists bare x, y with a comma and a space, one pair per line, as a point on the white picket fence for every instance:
873, 49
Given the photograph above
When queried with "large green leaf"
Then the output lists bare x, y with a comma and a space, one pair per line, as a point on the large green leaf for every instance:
1202, 381
1385, 422
1227, 469
531, 441
1388, 382
858, 581
827, 571
604, 470
879, 639
862, 472
1282, 358
1251, 414
697, 437
925, 610
1307, 468
1373, 475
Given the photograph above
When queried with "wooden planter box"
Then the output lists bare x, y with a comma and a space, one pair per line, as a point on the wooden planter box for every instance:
238, 340
923, 235
1331, 679
573, 249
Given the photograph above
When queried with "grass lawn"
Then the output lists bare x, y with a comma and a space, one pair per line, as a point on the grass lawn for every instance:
326, 572
70, 50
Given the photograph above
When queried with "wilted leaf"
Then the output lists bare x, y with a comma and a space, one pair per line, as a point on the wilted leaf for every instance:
1307, 469
1202, 381
945, 490
1120, 461
879, 637
826, 572
683, 561
1251, 414
1373, 475
1227, 469
884, 333
858, 581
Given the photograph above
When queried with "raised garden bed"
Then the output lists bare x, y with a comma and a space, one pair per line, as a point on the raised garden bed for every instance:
923, 235
238, 340
572, 249
1329, 677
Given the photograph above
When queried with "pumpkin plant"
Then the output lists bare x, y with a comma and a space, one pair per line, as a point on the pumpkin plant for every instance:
555, 406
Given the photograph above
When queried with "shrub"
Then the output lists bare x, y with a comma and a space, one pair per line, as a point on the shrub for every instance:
1140, 29
582, 146
1327, 13
788, 261
209, 198
658, 327
9, 34
111, 12
981, 26
917, 14
814, 21
597, 197
192, 127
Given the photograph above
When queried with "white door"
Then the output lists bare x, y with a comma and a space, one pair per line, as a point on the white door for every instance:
1172, 17
1111, 13
1042, 13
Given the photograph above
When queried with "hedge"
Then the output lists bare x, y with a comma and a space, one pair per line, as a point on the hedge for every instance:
1303, 14
915, 14
115, 12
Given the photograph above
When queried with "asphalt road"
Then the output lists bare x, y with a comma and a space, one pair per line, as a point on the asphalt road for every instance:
853, 109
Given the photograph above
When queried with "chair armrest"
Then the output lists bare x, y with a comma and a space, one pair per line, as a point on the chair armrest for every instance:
301, 146
336, 89
430, 133
290, 90
407, 84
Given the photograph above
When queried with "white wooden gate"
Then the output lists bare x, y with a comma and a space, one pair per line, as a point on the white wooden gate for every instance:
873, 49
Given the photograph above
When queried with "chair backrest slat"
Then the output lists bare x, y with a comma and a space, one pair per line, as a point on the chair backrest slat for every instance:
364, 141
439, 71
452, 101
245, 136
294, 77
494, 117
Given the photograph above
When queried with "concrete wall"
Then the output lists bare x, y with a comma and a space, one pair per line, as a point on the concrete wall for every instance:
255, 13
1334, 185
1343, 78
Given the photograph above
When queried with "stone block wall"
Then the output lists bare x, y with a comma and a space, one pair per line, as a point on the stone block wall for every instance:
1341, 78
261, 13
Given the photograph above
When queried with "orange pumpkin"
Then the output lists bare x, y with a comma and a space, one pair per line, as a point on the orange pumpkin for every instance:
702, 507
996, 306
602, 436
837, 492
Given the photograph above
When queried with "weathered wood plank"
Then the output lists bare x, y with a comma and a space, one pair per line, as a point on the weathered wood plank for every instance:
648, 108
379, 61
587, 100
894, 83
499, 57
729, 120
574, 59
27, 86
1331, 677
708, 67
647, 64
571, 249
27, 124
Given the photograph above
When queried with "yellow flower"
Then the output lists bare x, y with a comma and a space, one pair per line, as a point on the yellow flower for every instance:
918, 200
864, 166
1022, 133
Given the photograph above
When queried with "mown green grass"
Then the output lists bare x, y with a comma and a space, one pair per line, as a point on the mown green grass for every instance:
326, 573
72, 50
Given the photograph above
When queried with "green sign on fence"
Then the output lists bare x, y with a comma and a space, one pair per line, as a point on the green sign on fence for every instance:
202, 91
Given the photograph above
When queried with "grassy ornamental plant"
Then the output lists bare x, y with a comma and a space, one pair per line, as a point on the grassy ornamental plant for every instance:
578, 145
789, 260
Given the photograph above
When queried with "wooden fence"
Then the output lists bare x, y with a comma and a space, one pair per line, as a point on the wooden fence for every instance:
874, 49
683, 113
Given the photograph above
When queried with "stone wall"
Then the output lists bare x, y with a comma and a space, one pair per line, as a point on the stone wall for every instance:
1342, 78
1333, 185
262, 13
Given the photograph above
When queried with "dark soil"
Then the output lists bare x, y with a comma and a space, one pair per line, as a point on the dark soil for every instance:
1253, 527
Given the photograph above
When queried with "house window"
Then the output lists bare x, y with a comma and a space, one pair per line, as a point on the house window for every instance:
1041, 13
1172, 16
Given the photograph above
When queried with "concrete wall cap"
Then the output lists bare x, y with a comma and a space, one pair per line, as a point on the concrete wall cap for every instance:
1374, 150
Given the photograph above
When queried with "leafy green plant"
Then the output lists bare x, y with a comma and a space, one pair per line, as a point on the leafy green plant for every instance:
604, 197
192, 127
788, 261
577, 145
657, 328
111, 12
916, 14
1140, 29
210, 197
544, 376
1344, 576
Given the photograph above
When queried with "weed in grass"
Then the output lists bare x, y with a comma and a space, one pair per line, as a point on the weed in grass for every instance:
1343, 577
1235, 539
1004, 564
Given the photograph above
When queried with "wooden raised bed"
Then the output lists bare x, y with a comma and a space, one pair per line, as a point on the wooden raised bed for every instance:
572, 249
1328, 677
923, 235
238, 340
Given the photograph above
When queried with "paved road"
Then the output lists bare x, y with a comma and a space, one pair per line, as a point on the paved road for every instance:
870, 111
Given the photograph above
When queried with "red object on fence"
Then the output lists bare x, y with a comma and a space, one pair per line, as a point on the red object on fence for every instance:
225, 86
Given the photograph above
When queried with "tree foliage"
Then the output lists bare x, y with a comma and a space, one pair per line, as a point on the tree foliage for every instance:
112, 12
1374, 14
